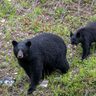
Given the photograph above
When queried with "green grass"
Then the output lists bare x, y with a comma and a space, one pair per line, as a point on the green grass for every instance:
6, 9
81, 78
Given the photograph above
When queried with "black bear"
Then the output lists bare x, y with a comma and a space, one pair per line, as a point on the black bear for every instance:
41, 55
85, 35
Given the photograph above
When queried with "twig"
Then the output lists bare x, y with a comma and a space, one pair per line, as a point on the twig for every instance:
79, 2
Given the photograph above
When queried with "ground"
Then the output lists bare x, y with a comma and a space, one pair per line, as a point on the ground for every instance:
21, 19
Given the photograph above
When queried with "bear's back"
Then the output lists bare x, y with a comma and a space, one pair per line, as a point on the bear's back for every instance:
48, 45
89, 29
47, 39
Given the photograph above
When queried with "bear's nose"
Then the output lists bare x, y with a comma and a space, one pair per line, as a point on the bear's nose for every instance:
20, 54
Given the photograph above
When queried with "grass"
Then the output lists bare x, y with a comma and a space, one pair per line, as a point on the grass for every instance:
56, 16
6, 9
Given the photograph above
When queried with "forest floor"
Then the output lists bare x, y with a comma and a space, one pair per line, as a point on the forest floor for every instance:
21, 19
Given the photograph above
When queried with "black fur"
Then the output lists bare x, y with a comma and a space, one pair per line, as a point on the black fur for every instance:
41, 55
85, 35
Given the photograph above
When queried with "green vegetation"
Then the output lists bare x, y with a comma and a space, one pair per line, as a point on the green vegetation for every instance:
6, 9
21, 19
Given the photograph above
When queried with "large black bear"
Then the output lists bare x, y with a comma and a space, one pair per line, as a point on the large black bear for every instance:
41, 55
85, 35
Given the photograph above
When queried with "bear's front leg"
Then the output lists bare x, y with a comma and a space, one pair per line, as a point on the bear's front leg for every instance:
86, 50
36, 75
26, 68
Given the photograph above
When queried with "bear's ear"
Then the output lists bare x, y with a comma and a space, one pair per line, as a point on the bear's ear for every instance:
71, 34
78, 35
14, 43
28, 43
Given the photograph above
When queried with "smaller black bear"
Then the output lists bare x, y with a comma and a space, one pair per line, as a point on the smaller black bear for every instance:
41, 55
85, 35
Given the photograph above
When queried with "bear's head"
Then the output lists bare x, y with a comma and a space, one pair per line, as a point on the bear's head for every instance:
76, 38
21, 49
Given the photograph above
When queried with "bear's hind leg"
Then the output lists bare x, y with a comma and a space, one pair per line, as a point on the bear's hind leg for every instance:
63, 65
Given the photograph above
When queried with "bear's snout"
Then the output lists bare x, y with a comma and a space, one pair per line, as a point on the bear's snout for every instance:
20, 54
74, 41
